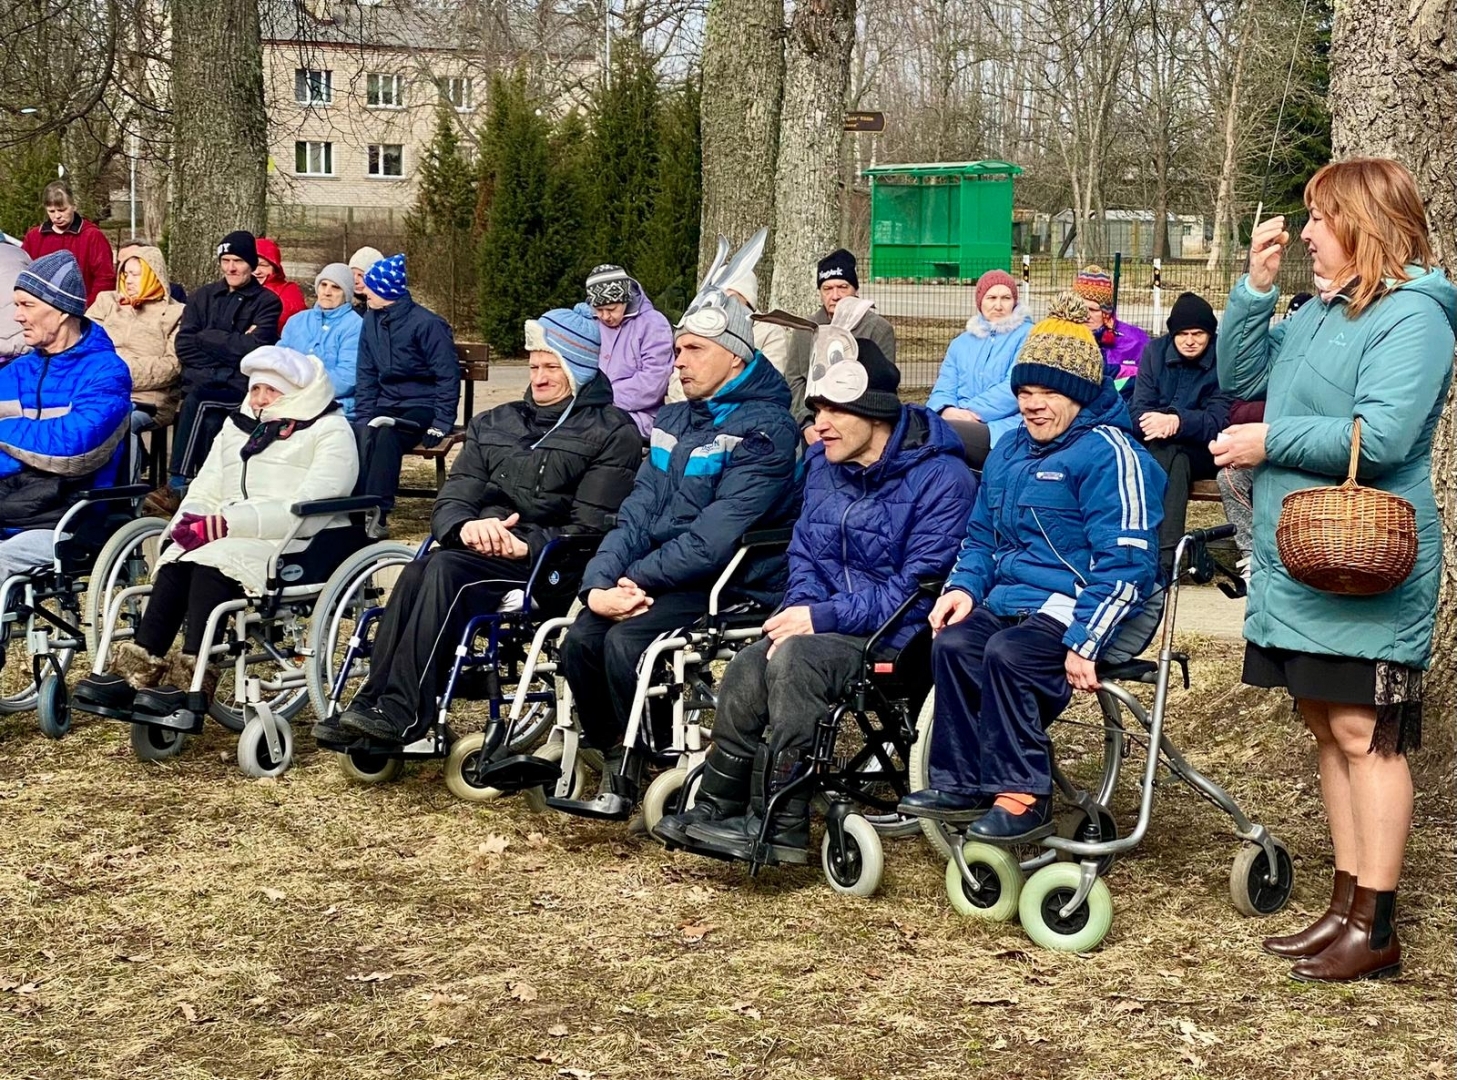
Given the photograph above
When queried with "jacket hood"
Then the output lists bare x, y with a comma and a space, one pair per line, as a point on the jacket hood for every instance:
1433, 283
594, 393
637, 300
306, 404
332, 315
918, 435
94, 340
268, 249
980, 326
154, 258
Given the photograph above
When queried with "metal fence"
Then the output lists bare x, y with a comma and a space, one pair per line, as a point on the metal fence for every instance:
928, 314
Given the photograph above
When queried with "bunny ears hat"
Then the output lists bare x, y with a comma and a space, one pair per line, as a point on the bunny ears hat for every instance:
716, 315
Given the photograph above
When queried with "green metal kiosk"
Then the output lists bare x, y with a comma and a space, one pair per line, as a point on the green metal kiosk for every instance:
942, 221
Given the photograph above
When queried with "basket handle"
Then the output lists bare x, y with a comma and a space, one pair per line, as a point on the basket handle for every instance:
1355, 451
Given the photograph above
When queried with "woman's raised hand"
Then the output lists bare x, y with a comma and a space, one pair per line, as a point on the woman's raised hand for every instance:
1267, 245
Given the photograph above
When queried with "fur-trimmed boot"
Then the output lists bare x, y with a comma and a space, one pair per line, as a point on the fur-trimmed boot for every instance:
133, 669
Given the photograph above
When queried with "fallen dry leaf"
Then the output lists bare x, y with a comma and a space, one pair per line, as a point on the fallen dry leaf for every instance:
442, 1041
1126, 1006
744, 1008
1192, 1058
135, 958
545, 1059
372, 977
493, 844
189, 1012
274, 894
558, 1031
522, 991
577, 1074
696, 932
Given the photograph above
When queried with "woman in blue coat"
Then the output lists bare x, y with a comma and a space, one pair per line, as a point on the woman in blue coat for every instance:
972, 385
1377, 345
330, 331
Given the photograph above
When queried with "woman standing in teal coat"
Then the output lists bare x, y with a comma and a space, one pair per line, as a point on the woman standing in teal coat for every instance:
1378, 345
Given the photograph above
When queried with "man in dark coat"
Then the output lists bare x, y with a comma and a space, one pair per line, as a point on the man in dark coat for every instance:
222, 323
556, 463
1178, 408
720, 464
886, 499
407, 382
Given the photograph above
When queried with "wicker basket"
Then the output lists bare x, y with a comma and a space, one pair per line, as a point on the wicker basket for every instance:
1350, 540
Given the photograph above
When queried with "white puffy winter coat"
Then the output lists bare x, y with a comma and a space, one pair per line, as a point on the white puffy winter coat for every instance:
254, 497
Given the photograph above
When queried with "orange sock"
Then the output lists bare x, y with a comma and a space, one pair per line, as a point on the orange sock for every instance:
1015, 802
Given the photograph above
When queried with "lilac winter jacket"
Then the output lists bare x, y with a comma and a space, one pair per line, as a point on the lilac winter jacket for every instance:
637, 358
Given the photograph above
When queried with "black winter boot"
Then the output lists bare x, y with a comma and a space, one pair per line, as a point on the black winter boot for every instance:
723, 792
787, 837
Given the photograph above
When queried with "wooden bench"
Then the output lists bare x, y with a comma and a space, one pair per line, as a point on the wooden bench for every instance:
475, 366
1204, 491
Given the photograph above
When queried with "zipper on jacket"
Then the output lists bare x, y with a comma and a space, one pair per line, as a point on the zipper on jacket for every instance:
845, 537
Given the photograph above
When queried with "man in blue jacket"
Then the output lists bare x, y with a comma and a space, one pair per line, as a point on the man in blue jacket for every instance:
721, 463
1056, 572
65, 409
407, 383
1178, 409
886, 499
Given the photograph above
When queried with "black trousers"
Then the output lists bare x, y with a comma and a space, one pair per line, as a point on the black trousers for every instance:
197, 428
382, 449
1184, 462
415, 644
600, 654
183, 591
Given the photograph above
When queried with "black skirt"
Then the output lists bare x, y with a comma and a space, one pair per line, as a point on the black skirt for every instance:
1393, 690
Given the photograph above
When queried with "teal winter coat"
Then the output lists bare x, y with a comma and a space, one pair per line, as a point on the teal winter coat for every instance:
1317, 372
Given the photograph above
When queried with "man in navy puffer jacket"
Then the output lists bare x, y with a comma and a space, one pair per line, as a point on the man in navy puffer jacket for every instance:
887, 496
721, 463
1056, 572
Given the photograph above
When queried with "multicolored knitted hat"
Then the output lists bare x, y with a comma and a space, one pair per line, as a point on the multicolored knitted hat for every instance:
1095, 284
608, 284
1060, 353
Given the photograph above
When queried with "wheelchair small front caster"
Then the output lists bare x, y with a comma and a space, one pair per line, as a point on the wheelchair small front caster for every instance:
857, 865
53, 708
367, 767
1250, 888
661, 795
461, 766
1044, 896
152, 743
255, 757
995, 886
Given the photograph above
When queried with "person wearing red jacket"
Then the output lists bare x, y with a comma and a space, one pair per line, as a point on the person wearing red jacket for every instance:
66, 230
271, 276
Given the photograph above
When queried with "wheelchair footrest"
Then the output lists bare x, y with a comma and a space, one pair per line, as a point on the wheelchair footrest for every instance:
599, 809
184, 720
80, 704
518, 772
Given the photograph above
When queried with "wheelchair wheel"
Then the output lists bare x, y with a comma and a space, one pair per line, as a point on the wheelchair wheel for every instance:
1047, 892
464, 757
552, 751
362, 581
1249, 887
661, 794
918, 777
53, 708
362, 767
129, 557
156, 743
856, 869
254, 756
998, 880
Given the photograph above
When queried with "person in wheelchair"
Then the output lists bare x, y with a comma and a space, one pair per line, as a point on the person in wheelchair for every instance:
556, 463
886, 499
1059, 563
721, 463
287, 443
64, 411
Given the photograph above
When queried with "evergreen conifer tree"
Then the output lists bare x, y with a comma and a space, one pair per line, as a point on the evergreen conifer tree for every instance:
669, 261
624, 159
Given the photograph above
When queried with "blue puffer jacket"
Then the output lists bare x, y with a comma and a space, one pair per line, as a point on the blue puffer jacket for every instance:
717, 469
975, 373
63, 430
1068, 528
407, 361
866, 534
332, 336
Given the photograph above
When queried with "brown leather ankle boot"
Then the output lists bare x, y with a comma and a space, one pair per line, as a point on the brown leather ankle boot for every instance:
1366, 947
1324, 930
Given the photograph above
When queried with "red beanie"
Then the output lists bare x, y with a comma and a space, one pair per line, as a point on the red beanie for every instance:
994, 277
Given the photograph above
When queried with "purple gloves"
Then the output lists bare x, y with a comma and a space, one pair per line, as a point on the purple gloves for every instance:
194, 530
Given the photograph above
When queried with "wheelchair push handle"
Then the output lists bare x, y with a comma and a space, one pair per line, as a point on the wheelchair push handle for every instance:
1210, 536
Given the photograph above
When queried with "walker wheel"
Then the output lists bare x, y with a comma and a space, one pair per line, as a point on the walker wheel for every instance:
152, 743
460, 767
857, 867
997, 882
367, 767
1040, 909
53, 708
1250, 889
662, 793
254, 756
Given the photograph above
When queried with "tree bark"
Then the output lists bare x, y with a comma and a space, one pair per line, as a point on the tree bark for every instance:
220, 136
743, 82
807, 176
1394, 93
1224, 200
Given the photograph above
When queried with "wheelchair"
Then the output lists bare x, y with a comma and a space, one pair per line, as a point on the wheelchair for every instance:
259, 644
59, 606
1055, 885
487, 665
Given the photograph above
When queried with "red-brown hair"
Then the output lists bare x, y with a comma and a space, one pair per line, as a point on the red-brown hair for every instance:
1378, 216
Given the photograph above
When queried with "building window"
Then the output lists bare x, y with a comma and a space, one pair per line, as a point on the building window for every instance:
385, 91
313, 158
457, 91
313, 87
386, 159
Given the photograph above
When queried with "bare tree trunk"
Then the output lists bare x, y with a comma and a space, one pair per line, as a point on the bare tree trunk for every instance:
1224, 200
743, 82
806, 179
1394, 93
220, 141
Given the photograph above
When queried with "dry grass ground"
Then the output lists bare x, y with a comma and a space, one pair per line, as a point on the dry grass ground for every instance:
181, 921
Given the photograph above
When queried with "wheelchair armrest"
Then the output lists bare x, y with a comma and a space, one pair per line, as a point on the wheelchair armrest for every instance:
931, 585
890, 623
766, 537
113, 494
330, 507
570, 553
